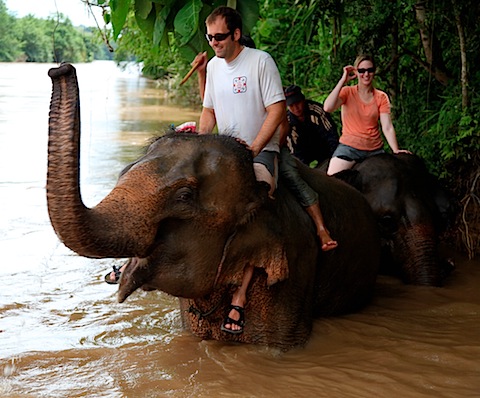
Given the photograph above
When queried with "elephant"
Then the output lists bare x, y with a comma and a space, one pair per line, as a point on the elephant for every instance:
412, 209
190, 215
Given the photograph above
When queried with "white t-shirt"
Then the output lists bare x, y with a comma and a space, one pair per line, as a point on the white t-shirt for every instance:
240, 91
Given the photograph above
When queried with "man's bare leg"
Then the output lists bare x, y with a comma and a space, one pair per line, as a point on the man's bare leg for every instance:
325, 239
239, 298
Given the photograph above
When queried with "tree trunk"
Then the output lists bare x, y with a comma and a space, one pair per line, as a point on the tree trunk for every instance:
463, 53
433, 64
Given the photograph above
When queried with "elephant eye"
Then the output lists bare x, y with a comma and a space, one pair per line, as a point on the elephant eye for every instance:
184, 194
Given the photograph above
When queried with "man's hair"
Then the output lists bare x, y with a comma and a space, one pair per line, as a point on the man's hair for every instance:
233, 19
364, 57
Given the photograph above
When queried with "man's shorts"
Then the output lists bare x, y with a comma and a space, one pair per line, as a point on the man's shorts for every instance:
268, 159
265, 166
349, 153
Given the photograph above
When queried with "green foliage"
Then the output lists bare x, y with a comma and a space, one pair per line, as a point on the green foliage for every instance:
184, 20
68, 44
36, 45
451, 135
10, 45
119, 14
52, 40
134, 46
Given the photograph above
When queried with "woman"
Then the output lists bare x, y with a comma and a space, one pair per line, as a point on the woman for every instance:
362, 107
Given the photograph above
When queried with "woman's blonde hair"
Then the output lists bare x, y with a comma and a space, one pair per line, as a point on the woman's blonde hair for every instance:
364, 57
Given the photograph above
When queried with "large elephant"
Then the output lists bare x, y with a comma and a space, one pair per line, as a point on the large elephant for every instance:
191, 215
411, 209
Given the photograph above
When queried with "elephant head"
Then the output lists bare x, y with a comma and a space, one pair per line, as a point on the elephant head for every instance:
187, 193
409, 205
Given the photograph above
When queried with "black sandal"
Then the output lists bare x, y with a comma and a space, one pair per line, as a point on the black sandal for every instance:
229, 321
118, 274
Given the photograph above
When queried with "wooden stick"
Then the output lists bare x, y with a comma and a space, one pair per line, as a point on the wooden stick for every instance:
190, 72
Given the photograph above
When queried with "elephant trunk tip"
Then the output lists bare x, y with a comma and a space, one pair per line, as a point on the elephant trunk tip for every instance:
63, 70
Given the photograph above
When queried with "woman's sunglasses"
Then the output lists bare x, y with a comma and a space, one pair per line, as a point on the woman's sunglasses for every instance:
363, 70
218, 36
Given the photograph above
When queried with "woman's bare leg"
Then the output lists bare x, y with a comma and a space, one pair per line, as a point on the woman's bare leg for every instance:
336, 165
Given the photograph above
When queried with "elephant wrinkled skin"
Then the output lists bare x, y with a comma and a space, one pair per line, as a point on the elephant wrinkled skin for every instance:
191, 214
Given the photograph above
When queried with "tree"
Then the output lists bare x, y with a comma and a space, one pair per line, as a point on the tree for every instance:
37, 46
167, 22
9, 43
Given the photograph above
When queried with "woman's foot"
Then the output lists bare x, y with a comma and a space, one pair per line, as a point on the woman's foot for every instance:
235, 320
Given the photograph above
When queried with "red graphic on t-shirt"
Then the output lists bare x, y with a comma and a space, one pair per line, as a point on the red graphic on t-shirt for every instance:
240, 85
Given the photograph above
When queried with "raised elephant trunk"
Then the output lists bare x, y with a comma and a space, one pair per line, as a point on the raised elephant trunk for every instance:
106, 230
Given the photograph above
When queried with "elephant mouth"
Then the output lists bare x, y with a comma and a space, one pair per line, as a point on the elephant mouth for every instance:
140, 272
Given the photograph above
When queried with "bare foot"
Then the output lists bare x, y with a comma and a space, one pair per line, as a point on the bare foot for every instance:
327, 242
330, 245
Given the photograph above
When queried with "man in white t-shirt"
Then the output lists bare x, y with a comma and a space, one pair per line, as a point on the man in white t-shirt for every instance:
244, 97
243, 94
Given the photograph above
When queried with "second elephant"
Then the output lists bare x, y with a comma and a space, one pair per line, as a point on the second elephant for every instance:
411, 208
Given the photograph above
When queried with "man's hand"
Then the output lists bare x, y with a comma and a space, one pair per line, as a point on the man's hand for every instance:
201, 62
244, 143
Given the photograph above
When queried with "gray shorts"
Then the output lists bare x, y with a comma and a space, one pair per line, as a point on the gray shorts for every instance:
268, 159
349, 153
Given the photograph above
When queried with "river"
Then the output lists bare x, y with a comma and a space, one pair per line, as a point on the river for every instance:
62, 333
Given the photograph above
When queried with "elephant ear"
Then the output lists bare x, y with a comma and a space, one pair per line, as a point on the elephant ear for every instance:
275, 262
249, 247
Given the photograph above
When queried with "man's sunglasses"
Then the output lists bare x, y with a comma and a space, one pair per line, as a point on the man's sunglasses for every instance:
363, 70
218, 36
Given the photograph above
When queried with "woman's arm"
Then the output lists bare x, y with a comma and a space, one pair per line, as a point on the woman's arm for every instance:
333, 101
389, 133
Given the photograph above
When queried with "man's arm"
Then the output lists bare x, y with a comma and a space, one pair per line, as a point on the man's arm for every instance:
275, 115
284, 131
201, 60
207, 121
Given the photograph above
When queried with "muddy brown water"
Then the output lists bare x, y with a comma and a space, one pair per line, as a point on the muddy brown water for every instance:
62, 333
